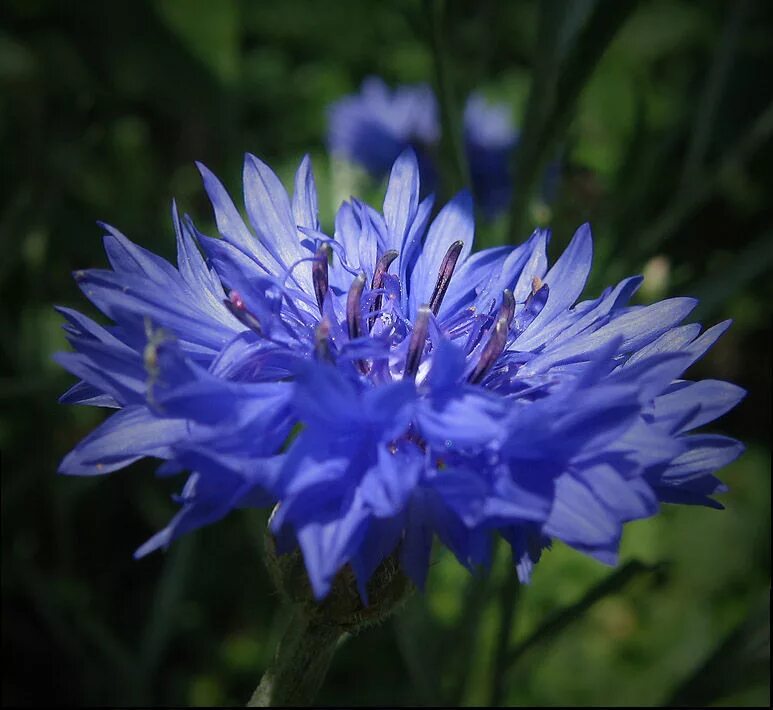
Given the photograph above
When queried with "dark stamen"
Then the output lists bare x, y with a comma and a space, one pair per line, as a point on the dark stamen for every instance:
322, 341
417, 343
353, 307
236, 305
447, 267
382, 266
507, 309
491, 351
319, 274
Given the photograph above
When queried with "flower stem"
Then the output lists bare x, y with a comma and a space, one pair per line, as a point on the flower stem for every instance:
300, 664
453, 158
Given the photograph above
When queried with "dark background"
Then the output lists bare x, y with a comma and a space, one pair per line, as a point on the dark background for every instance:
665, 146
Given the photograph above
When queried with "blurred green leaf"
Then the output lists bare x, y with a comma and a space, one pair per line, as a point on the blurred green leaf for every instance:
210, 30
740, 662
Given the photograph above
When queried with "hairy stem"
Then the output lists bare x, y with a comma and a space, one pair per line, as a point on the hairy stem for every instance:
300, 665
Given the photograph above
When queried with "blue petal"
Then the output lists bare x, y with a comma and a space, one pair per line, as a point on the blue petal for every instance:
566, 280
454, 223
125, 437
673, 340
636, 327
626, 500
706, 454
305, 206
268, 207
207, 499
417, 543
578, 518
86, 394
193, 268
535, 266
693, 404
387, 486
231, 225
127, 258
463, 492
402, 198
488, 271
330, 541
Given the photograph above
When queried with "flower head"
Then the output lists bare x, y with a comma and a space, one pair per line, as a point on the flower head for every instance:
373, 127
429, 390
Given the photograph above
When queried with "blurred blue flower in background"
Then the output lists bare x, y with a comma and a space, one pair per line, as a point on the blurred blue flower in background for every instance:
489, 140
373, 127
429, 390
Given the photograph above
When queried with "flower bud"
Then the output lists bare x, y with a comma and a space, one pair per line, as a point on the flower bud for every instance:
343, 607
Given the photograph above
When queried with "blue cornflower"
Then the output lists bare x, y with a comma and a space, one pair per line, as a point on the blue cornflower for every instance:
429, 390
489, 140
373, 127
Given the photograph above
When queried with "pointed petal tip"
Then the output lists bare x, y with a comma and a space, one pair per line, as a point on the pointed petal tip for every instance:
204, 171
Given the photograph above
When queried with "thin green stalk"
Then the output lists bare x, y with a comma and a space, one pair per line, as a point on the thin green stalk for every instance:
740, 661
462, 639
711, 96
452, 149
508, 601
719, 286
558, 81
564, 617
699, 190
300, 665
538, 107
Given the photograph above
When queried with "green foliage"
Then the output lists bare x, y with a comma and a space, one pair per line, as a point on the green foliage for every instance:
662, 119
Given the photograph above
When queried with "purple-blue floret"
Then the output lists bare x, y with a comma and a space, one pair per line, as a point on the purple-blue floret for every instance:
386, 384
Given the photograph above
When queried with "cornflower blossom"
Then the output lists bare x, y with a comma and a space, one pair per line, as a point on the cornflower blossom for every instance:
386, 384
371, 128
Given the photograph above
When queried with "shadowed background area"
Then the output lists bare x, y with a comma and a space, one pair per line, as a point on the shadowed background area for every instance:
661, 114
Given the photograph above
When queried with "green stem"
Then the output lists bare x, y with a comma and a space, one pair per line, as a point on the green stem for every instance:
560, 75
564, 617
452, 152
713, 90
300, 665
739, 153
508, 599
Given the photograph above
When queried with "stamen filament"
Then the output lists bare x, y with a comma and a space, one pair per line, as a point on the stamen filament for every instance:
382, 267
417, 343
235, 304
353, 300
507, 309
445, 273
491, 351
319, 273
322, 341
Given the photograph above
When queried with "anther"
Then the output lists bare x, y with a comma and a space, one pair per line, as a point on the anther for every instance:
491, 351
445, 273
322, 341
417, 343
507, 309
236, 300
235, 304
382, 266
536, 284
353, 307
319, 273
